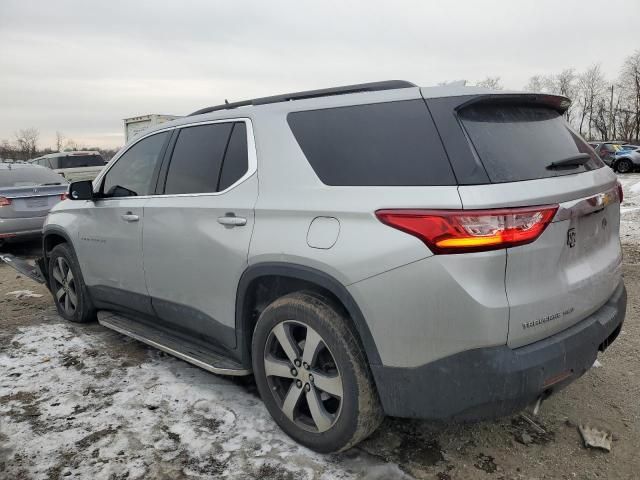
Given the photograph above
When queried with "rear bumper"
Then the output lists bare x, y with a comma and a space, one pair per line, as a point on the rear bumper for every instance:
497, 381
14, 228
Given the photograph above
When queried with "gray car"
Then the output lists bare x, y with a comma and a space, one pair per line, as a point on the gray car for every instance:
27, 193
369, 250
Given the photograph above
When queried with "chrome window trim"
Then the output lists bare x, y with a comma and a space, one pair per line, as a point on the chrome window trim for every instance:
252, 160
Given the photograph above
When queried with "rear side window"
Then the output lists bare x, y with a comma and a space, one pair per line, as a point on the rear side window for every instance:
207, 158
236, 160
197, 159
77, 161
518, 142
382, 144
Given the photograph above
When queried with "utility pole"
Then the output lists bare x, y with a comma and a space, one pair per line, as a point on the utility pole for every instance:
611, 125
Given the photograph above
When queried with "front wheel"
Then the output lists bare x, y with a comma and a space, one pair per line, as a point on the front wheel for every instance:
312, 374
624, 166
67, 286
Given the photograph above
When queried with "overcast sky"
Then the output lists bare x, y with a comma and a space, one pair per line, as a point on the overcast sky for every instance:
80, 66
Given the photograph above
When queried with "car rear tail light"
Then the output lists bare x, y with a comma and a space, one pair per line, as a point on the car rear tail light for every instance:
620, 191
462, 231
5, 202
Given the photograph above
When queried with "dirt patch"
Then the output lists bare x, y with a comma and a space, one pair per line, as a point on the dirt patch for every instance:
94, 437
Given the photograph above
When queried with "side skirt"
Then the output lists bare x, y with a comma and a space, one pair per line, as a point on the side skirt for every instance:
190, 352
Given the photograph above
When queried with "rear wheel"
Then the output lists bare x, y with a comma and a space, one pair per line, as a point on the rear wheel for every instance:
624, 166
312, 374
67, 286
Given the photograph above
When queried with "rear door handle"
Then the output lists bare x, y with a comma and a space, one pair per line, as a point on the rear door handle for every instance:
130, 217
232, 221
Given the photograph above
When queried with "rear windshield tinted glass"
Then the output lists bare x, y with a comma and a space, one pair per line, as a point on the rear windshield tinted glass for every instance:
381, 144
518, 142
76, 161
29, 176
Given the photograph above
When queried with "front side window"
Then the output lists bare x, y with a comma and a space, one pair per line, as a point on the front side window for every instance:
132, 175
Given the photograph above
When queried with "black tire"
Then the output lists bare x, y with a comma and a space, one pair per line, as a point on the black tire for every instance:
624, 165
83, 310
340, 355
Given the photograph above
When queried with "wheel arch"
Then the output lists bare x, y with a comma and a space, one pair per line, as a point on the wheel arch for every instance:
282, 278
51, 237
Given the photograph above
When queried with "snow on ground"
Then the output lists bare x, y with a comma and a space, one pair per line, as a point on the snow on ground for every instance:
630, 208
153, 417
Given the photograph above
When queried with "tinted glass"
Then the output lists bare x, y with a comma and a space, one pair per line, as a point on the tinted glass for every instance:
518, 142
29, 176
393, 143
236, 161
133, 172
75, 161
197, 158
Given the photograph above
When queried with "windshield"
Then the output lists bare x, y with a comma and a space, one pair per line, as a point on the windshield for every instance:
77, 161
29, 176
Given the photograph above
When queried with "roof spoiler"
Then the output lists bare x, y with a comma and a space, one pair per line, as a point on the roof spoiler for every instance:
323, 92
557, 102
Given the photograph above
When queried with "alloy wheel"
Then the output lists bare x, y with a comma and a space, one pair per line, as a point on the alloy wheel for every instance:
65, 286
624, 166
303, 376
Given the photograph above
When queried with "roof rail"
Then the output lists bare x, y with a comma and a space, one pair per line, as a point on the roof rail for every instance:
323, 92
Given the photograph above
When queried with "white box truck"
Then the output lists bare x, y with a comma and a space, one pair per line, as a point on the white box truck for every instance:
135, 125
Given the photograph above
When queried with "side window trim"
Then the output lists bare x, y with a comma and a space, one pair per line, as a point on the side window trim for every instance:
252, 159
163, 165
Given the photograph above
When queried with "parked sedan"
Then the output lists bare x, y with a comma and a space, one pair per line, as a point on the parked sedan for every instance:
27, 193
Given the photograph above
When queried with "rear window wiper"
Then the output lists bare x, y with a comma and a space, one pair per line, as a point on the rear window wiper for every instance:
573, 161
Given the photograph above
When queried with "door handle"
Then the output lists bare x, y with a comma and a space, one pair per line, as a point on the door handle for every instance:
130, 217
232, 221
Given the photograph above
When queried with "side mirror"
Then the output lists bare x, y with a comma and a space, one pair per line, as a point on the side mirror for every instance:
81, 190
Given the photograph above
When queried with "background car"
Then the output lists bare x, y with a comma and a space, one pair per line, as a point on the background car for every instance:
635, 148
74, 166
27, 193
626, 161
615, 155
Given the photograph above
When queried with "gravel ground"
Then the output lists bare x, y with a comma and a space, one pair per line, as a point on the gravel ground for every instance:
80, 401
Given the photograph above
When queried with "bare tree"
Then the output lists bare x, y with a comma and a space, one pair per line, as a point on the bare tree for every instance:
537, 83
592, 86
71, 145
27, 140
630, 95
7, 150
492, 83
59, 141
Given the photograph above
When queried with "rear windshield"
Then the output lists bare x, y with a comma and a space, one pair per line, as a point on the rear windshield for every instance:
76, 161
29, 176
380, 144
518, 142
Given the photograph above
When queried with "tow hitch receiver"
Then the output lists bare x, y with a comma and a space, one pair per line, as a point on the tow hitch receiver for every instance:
34, 272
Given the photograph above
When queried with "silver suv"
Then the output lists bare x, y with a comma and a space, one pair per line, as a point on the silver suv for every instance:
443, 253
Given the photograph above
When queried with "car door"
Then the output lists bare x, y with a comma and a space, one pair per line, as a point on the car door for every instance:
109, 246
197, 232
